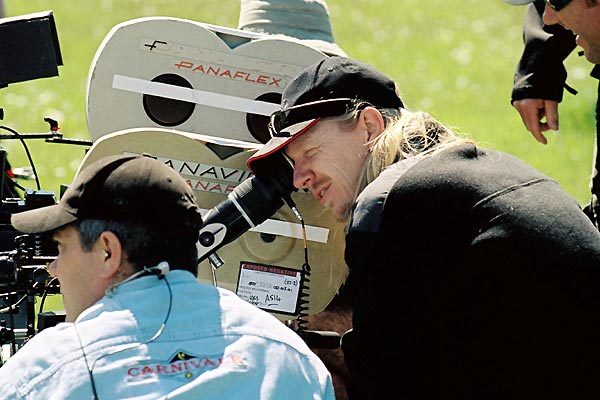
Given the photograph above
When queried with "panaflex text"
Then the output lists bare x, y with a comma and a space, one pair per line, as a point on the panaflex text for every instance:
231, 73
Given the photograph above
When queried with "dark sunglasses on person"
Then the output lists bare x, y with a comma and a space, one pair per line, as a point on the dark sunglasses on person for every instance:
557, 5
305, 112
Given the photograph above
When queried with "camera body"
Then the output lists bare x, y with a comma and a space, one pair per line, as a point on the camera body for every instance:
23, 272
38, 244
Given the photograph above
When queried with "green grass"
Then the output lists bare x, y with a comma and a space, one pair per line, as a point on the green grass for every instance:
455, 62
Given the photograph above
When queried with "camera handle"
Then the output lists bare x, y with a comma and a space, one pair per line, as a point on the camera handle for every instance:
54, 136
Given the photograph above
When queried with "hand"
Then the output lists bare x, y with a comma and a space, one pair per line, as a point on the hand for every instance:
533, 112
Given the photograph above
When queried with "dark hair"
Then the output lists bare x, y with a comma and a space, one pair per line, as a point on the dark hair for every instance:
145, 246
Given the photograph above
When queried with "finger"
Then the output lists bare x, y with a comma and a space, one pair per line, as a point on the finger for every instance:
551, 111
539, 136
529, 109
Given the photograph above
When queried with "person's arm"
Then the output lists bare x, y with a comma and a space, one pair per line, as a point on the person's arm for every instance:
540, 74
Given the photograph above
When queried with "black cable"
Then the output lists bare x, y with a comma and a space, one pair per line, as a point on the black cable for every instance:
45, 294
18, 135
13, 182
13, 340
86, 364
304, 285
4, 175
306, 271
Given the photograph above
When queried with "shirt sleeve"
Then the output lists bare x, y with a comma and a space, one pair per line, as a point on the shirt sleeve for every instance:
540, 73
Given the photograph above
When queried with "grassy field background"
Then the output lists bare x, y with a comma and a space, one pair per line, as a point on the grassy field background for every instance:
455, 62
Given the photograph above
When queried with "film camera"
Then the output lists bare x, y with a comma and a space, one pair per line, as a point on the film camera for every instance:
196, 97
23, 271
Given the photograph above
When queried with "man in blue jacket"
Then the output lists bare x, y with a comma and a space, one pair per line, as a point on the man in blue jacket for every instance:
139, 325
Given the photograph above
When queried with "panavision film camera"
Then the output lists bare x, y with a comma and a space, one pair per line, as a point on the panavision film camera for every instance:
197, 97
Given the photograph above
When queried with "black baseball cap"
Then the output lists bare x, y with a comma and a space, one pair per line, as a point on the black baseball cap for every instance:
134, 188
327, 88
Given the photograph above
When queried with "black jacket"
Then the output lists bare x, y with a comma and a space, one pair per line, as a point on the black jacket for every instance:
473, 276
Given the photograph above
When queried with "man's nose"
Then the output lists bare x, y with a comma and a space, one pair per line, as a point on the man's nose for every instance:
52, 269
550, 16
303, 177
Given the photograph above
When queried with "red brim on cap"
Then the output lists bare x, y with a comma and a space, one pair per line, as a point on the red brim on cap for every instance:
277, 143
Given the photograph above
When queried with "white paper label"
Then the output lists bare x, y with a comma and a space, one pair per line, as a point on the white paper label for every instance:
269, 287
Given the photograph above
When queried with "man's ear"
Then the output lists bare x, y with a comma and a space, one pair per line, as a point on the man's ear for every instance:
373, 121
112, 252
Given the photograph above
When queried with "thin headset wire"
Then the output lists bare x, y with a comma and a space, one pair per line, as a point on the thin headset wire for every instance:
87, 365
153, 338
45, 294
18, 135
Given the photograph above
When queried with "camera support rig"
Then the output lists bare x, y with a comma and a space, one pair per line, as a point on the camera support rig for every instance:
23, 272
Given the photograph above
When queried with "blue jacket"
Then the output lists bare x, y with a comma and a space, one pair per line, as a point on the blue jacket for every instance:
214, 346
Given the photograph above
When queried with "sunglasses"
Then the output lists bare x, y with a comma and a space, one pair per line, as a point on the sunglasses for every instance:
557, 5
305, 112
